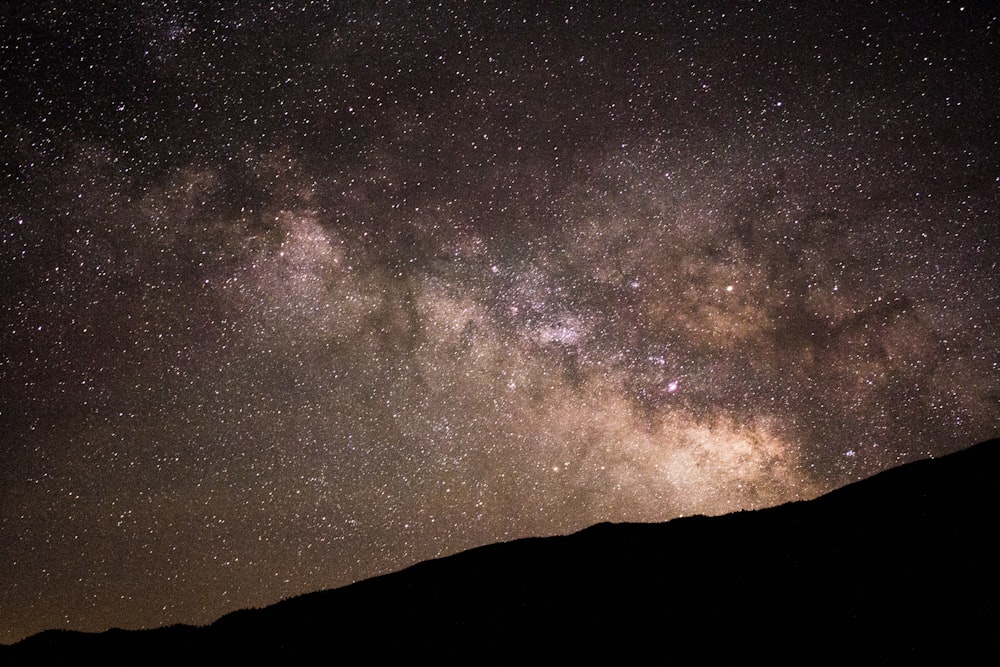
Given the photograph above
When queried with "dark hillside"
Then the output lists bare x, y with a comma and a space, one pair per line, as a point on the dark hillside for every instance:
902, 563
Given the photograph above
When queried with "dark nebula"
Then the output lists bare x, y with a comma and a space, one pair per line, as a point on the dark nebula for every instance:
299, 293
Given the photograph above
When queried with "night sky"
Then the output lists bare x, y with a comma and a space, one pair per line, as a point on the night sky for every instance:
299, 293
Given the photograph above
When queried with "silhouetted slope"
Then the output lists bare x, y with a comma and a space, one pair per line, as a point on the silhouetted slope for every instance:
904, 562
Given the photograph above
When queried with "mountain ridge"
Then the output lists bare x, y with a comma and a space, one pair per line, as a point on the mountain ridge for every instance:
900, 562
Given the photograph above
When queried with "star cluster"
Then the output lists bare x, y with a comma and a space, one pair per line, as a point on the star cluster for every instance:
300, 293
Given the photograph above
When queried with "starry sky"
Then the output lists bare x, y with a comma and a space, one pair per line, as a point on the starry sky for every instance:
299, 293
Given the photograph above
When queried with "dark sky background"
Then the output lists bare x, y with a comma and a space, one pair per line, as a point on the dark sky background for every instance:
299, 293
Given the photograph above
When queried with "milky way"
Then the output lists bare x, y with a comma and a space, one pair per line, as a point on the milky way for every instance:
296, 294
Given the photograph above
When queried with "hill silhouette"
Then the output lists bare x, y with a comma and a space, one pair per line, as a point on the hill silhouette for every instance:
903, 563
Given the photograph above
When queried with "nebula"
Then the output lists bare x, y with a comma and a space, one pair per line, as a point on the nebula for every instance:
295, 296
